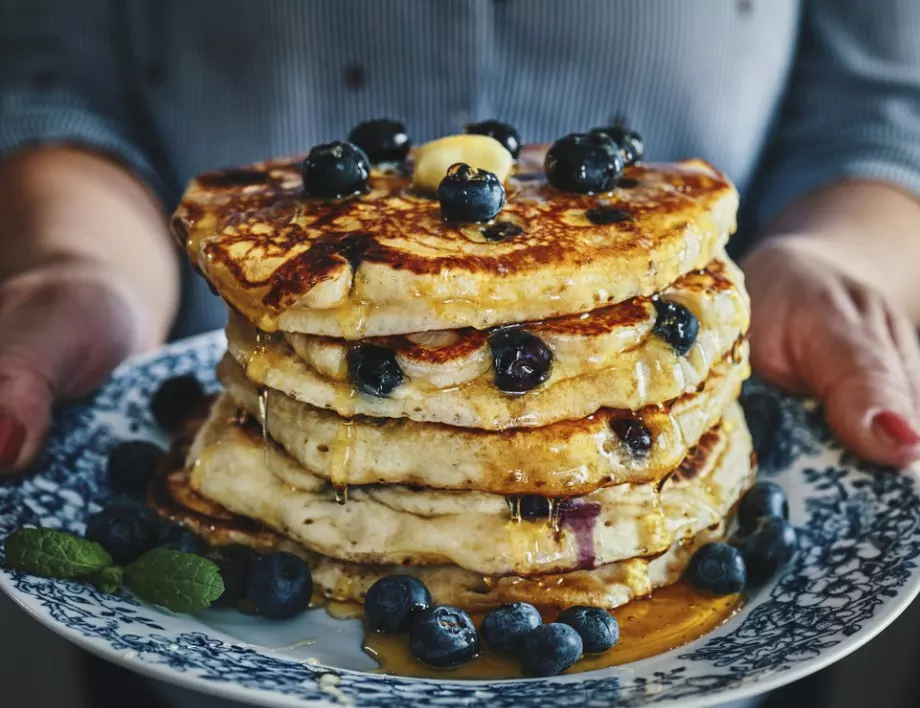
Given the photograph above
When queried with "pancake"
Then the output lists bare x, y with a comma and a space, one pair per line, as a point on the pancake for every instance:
652, 373
607, 586
393, 525
611, 337
563, 459
385, 262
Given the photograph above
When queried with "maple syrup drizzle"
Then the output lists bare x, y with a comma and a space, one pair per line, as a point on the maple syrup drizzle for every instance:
263, 417
672, 617
257, 358
514, 504
339, 458
553, 517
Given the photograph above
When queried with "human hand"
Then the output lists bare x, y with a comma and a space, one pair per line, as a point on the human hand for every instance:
816, 330
87, 277
63, 327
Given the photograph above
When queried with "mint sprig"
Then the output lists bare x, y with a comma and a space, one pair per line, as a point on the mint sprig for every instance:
54, 554
108, 580
178, 581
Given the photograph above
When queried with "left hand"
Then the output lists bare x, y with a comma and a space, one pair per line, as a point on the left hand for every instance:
817, 330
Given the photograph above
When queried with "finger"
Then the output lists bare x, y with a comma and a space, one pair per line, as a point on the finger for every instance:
853, 366
883, 325
905, 338
769, 335
58, 338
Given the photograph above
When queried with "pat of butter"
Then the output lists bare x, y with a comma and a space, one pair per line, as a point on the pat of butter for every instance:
480, 151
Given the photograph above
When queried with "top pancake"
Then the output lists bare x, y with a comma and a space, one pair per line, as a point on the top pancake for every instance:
385, 262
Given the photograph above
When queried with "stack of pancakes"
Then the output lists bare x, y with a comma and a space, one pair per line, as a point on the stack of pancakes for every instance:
364, 425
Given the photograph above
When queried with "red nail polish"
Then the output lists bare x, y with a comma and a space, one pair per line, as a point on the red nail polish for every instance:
895, 428
12, 437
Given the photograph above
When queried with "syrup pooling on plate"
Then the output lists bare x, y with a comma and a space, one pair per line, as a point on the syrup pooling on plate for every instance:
672, 617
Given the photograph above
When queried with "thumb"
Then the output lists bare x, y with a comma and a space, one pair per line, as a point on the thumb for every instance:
857, 372
61, 332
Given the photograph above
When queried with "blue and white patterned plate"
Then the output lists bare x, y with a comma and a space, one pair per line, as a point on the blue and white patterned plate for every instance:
856, 571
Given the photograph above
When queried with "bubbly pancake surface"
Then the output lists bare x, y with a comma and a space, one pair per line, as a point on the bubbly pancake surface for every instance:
563, 459
385, 262
390, 524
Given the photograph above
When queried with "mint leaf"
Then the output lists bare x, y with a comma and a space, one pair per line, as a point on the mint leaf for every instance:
54, 554
109, 579
178, 581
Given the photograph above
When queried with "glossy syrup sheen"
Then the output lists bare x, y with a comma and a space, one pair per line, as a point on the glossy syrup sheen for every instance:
672, 617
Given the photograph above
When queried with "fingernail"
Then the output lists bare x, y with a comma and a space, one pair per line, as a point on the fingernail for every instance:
12, 437
895, 429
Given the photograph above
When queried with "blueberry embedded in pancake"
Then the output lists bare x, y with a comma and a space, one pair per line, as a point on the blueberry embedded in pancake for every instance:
520, 360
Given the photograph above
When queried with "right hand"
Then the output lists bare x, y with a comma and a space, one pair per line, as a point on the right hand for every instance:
63, 327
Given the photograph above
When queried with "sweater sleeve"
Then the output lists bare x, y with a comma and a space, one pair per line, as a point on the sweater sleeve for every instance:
62, 81
853, 106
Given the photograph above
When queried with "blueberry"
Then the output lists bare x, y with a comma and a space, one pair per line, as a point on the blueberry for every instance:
604, 216
279, 585
468, 194
502, 132
766, 547
443, 637
717, 568
374, 369
181, 539
676, 325
583, 163
382, 139
335, 169
501, 231
125, 531
629, 141
763, 499
521, 360
550, 649
175, 400
634, 434
598, 629
233, 563
533, 506
131, 465
393, 601
769, 425
504, 627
